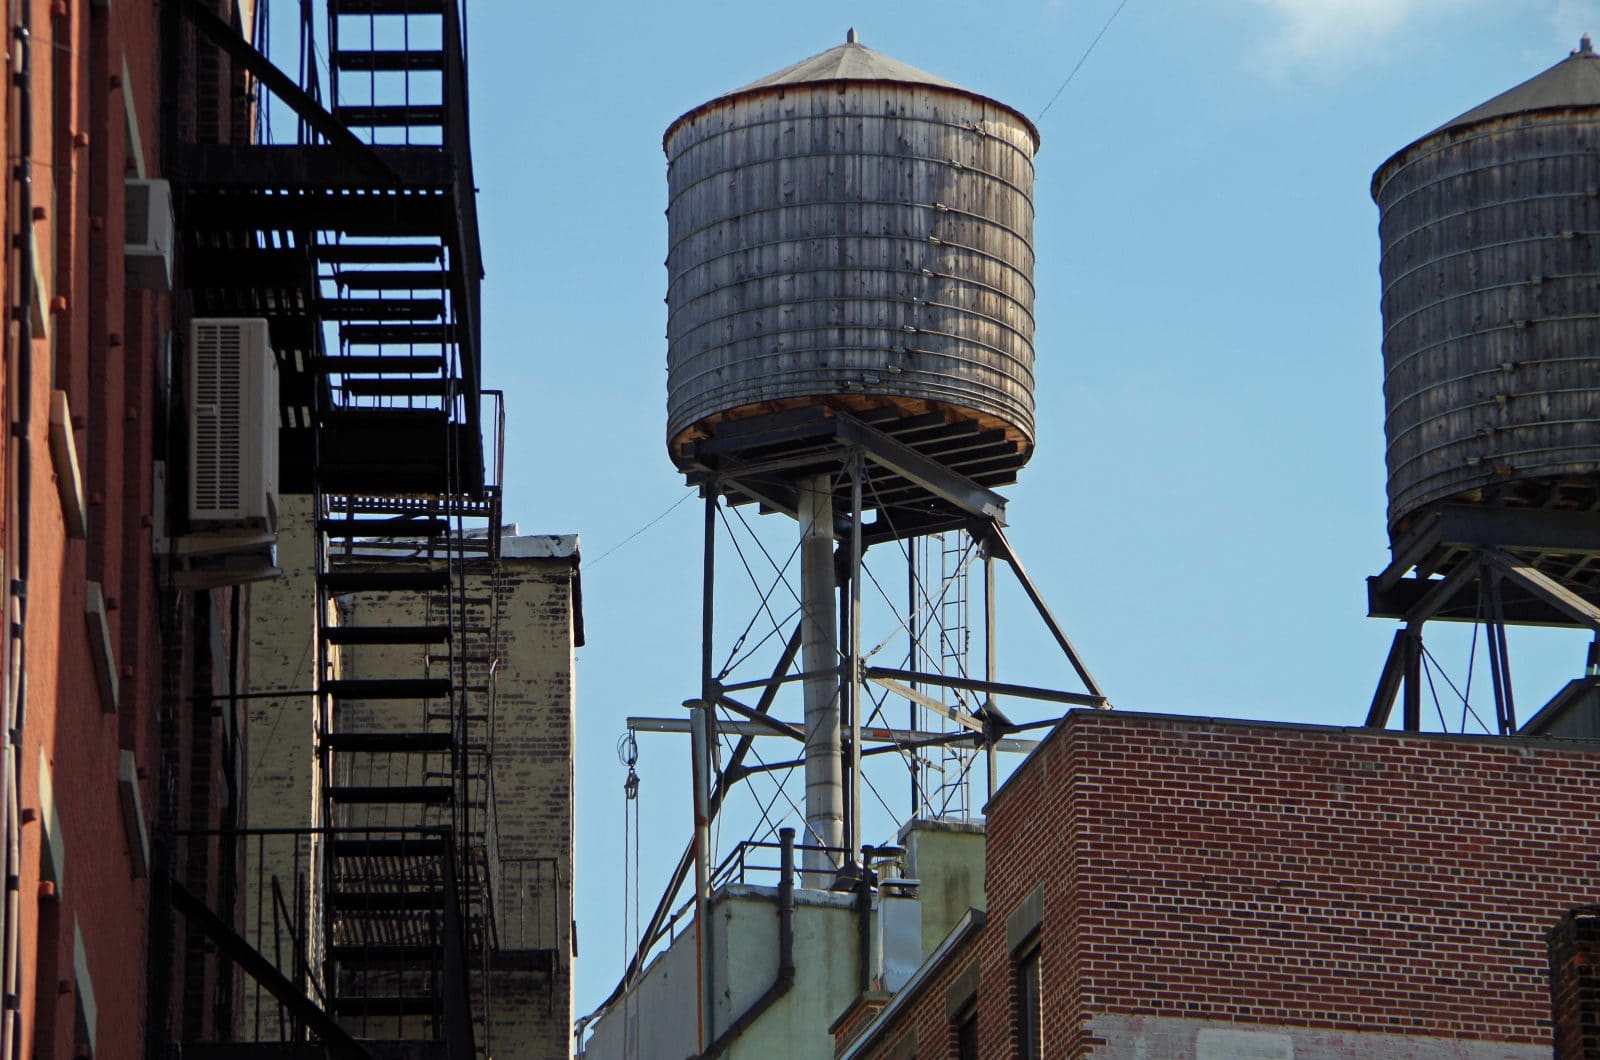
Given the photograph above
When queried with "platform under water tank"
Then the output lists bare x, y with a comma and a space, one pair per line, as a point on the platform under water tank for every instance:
1490, 227
856, 234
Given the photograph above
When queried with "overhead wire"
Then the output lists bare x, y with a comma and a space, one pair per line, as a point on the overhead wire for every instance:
589, 565
1082, 59
1428, 656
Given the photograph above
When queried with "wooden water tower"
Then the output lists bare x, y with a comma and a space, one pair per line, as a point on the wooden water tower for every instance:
1490, 227
851, 343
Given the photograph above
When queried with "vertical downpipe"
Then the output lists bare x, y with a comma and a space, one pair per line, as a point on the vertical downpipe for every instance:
989, 668
819, 658
700, 744
19, 507
857, 473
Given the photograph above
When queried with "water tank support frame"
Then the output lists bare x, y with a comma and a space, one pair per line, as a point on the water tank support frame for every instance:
1506, 588
829, 440
989, 726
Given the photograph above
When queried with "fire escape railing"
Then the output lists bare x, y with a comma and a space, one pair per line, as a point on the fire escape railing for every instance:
370, 921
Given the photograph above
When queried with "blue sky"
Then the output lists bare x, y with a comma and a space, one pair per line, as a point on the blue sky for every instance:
1207, 494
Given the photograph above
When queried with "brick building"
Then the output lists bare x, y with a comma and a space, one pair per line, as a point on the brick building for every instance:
109, 665
1168, 886
524, 622
228, 352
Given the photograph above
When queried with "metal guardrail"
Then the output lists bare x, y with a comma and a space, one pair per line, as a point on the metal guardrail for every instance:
738, 866
530, 904
365, 922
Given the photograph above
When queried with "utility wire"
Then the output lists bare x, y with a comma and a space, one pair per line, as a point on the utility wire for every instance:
673, 507
1085, 58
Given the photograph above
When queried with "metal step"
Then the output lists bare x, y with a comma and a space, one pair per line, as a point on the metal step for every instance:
380, 253
390, 280
387, 7
399, 526
361, 60
415, 900
397, 334
389, 742
389, 955
388, 688
398, 387
355, 1007
415, 116
394, 309
421, 581
377, 363
405, 794
358, 635
389, 849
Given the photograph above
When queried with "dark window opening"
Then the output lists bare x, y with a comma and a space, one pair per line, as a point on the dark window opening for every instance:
1030, 1011
967, 1032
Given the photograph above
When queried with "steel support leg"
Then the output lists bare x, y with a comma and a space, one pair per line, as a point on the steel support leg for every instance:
858, 470
989, 642
819, 655
1411, 718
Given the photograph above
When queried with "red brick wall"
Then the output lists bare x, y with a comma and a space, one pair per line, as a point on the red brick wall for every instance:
1575, 984
104, 341
1290, 875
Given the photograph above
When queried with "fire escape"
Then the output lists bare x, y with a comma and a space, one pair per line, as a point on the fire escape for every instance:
358, 243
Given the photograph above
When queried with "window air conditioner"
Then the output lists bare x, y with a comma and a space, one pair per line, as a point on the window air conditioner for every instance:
148, 253
233, 422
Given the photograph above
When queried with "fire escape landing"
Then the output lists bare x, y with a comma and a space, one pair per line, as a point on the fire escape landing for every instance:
358, 243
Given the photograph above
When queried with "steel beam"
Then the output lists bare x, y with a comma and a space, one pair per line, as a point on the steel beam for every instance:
334, 1038
283, 86
994, 539
1522, 608
768, 682
928, 702
870, 734
1546, 588
772, 725
879, 674
1441, 591
884, 675
931, 475
1388, 683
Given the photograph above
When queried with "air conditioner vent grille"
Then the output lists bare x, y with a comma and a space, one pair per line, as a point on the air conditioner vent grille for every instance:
218, 426
233, 411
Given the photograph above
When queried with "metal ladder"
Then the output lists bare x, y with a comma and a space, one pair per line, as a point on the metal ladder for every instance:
405, 782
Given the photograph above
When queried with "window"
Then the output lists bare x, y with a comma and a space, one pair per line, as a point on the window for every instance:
961, 1009
967, 1032
1030, 1011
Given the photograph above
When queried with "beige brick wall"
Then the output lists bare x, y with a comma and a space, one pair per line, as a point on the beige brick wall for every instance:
279, 740
283, 651
521, 614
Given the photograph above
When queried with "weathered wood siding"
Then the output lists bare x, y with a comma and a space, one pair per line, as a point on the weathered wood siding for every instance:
850, 238
1491, 309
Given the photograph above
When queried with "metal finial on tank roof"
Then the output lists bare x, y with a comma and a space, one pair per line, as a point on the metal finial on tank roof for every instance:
850, 37
1585, 46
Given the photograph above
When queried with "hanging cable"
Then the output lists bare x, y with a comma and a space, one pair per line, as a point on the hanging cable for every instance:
1083, 59
628, 755
589, 564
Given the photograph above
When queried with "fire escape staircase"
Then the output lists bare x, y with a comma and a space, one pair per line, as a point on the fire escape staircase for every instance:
360, 248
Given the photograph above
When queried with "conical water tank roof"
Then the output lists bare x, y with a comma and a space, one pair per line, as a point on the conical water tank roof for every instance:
1490, 230
852, 233
1573, 82
850, 61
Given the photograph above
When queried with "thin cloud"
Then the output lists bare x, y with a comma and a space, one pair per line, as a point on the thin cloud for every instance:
1570, 18
1326, 32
